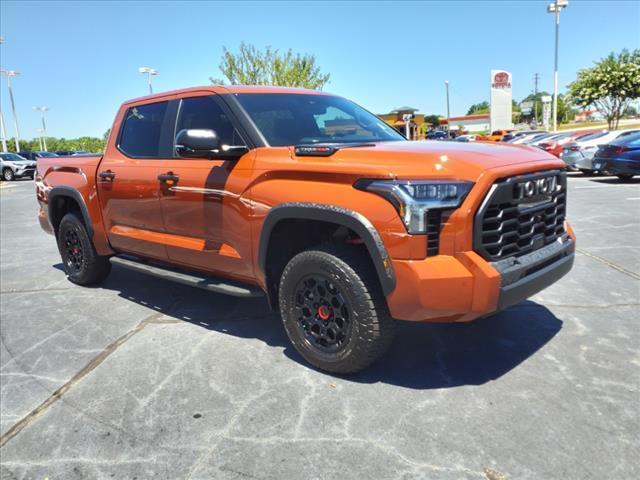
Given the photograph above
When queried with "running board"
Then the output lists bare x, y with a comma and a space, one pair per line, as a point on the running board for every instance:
194, 280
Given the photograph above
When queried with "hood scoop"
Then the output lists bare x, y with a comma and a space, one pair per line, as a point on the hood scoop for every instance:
326, 149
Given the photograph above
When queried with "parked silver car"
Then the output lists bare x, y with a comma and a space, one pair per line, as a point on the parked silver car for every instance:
14, 166
579, 155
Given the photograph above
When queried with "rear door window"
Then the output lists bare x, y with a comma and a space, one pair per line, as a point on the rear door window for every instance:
141, 130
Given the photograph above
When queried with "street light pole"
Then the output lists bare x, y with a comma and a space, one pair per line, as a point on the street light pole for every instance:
555, 8
9, 74
446, 83
42, 110
150, 72
3, 132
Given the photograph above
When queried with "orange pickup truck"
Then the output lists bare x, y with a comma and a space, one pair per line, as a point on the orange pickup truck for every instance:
314, 202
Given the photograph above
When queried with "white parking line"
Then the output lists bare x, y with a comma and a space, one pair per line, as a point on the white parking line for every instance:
633, 198
607, 186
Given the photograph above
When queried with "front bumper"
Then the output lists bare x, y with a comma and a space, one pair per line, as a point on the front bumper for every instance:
25, 171
464, 287
522, 277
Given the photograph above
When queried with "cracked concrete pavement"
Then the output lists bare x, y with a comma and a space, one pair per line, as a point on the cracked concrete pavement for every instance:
142, 378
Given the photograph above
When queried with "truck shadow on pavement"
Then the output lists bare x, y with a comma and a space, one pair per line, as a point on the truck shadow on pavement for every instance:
422, 356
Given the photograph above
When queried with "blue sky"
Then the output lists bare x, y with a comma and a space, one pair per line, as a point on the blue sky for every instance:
81, 58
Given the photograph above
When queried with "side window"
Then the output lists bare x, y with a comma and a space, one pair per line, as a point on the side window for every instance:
140, 134
204, 112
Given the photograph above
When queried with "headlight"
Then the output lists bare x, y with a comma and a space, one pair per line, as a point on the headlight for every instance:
413, 198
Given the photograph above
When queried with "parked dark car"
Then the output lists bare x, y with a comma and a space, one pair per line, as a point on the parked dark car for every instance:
36, 155
68, 153
620, 157
436, 135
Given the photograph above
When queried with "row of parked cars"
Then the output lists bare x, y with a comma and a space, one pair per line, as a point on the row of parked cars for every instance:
614, 152
23, 164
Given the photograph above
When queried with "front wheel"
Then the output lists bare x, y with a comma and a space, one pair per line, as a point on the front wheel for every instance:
81, 262
7, 174
625, 177
333, 309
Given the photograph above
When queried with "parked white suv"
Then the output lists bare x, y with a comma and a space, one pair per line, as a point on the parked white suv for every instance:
14, 166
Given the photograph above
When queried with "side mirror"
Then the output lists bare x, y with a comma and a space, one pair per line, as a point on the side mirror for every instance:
205, 143
197, 143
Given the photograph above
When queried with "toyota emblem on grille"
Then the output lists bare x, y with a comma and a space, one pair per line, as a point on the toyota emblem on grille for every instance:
537, 187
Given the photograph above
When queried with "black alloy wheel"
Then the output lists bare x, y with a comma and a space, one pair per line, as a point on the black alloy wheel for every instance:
73, 255
324, 317
81, 262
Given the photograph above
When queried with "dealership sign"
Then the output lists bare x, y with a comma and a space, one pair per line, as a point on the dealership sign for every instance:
501, 98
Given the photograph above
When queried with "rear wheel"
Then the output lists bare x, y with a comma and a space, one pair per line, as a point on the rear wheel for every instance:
625, 177
81, 262
7, 174
333, 309
585, 171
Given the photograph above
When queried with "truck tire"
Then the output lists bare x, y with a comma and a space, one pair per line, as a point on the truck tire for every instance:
333, 309
81, 262
7, 174
625, 177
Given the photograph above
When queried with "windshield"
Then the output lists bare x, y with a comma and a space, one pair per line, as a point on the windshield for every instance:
46, 154
292, 119
12, 157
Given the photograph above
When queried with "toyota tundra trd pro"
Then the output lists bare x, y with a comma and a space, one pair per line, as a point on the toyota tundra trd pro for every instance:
316, 203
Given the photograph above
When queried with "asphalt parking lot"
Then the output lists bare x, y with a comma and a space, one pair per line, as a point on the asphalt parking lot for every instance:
142, 378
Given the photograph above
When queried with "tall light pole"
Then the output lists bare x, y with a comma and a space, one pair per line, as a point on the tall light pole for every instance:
9, 74
3, 132
446, 84
150, 73
555, 8
42, 110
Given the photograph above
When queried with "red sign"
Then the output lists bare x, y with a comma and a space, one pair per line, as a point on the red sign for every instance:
501, 80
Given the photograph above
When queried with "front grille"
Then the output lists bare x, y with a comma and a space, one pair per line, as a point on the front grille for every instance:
434, 225
509, 223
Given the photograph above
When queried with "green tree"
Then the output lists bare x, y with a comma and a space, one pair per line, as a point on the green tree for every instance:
609, 85
478, 108
251, 66
433, 120
90, 144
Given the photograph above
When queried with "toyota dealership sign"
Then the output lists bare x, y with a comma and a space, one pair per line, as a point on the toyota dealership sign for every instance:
501, 98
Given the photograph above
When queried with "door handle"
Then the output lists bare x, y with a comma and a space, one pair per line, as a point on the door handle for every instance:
107, 176
168, 178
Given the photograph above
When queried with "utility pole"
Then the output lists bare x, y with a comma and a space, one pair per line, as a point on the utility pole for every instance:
536, 79
446, 84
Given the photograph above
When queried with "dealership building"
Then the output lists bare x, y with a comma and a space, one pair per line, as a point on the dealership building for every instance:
470, 123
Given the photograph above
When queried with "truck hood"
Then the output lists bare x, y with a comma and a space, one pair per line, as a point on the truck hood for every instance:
429, 159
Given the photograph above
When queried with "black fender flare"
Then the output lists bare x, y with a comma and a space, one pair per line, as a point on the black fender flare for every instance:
70, 192
340, 216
